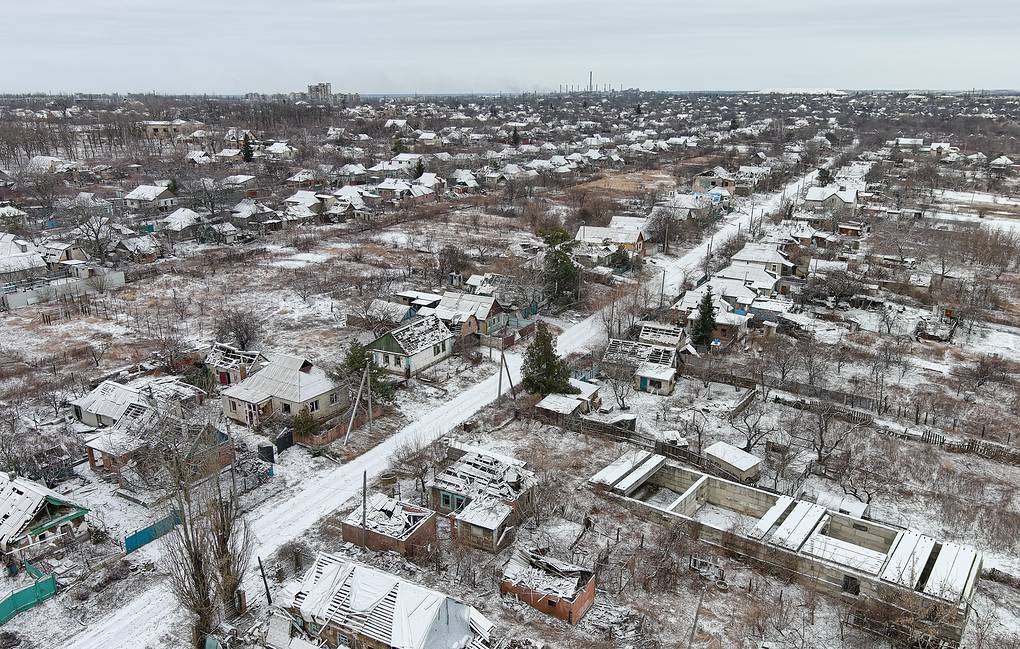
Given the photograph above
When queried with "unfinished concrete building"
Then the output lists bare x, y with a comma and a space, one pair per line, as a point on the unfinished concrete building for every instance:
897, 581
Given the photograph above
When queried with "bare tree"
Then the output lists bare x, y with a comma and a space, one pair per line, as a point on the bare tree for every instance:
232, 543
416, 458
620, 377
751, 427
241, 325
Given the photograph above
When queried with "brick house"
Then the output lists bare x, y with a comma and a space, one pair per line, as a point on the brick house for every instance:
557, 588
390, 525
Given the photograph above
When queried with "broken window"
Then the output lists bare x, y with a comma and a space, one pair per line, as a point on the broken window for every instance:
851, 585
285, 408
313, 406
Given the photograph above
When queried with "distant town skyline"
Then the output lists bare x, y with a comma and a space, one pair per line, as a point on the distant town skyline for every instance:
446, 46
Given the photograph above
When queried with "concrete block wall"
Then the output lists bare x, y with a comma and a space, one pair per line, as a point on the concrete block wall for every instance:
741, 499
874, 537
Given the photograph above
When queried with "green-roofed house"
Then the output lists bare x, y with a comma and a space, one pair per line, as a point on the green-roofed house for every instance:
34, 519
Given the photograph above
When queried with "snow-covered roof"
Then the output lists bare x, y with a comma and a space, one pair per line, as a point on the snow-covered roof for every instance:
385, 608
21, 501
388, 516
732, 456
180, 219
145, 193
285, 377
420, 334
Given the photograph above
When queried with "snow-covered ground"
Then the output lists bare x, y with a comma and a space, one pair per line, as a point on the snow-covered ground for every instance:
143, 620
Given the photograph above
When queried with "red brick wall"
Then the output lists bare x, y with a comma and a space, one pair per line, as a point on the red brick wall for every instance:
564, 609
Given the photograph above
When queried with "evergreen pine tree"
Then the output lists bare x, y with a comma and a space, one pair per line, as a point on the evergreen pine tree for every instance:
419, 168
246, 152
560, 276
544, 371
515, 139
705, 324
304, 425
353, 367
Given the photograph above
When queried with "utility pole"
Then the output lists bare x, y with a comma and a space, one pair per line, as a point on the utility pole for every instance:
265, 582
368, 383
662, 289
364, 508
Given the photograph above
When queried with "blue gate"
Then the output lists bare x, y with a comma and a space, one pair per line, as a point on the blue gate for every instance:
149, 534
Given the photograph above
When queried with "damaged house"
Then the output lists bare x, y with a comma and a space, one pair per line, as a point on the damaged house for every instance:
413, 347
654, 366
557, 588
485, 494
34, 519
386, 524
346, 604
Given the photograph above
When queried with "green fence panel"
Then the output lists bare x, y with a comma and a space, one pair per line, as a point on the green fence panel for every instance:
149, 534
27, 597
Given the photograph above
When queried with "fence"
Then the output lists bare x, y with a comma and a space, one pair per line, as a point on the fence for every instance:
27, 597
149, 534
587, 426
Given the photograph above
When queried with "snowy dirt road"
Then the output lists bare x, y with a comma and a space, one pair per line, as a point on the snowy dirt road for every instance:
146, 619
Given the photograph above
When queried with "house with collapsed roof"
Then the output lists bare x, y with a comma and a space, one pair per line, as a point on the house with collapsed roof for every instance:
346, 604
385, 524
413, 347
466, 314
895, 578
130, 451
35, 519
717, 177
110, 401
654, 366
230, 365
554, 587
285, 386
486, 495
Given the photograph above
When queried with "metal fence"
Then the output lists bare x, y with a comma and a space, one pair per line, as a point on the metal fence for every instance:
27, 597
149, 534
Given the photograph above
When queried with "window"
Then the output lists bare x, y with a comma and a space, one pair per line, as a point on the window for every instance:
385, 359
436, 350
851, 585
313, 406
446, 499
233, 406
458, 502
334, 398
285, 408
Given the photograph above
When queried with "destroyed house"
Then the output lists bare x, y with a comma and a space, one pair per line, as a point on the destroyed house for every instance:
485, 493
386, 524
554, 587
231, 365
347, 604
34, 519
110, 401
413, 347
654, 365
890, 576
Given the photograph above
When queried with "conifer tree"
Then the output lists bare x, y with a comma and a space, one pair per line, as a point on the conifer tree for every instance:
544, 371
705, 324
246, 152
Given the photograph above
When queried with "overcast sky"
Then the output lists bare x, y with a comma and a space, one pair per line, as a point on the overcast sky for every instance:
431, 46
